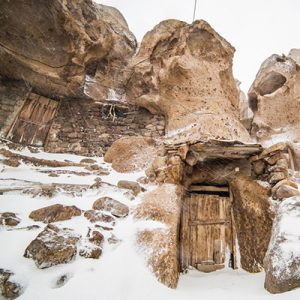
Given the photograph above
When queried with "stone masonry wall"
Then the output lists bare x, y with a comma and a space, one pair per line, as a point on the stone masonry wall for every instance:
89, 128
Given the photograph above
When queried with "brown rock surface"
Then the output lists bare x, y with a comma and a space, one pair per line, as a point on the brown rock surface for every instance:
8, 288
130, 154
53, 246
253, 221
286, 191
9, 219
163, 205
130, 185
184, 72
55, 46
274, 99
98, 216
111, 205
55, 213
282, 260
91, 245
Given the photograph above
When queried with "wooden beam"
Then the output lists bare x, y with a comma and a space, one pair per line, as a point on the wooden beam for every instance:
208, 188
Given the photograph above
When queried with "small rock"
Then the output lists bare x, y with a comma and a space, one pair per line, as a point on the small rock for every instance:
55, 213
271, 160
285, 182
113, 240
9, 219
97, 216
11, 162
91, 245
113, 206
276, 147
53, 246
87, 161
62, 280
8, 288
276, 176
259, 167
143, 180
130, 185
286, 191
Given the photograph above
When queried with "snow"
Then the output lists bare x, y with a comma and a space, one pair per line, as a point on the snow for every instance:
121, 272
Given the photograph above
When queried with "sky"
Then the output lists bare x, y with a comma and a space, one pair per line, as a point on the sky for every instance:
256, 28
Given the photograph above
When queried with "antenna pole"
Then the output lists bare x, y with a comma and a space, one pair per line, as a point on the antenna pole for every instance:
195, 7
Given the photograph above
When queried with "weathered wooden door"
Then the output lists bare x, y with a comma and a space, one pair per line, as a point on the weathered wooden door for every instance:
206, 232
32, 125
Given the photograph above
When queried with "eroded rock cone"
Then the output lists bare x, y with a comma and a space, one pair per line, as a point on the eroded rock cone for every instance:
53, 246
55, 213
273, 98
282, 261
184, 72
60, 47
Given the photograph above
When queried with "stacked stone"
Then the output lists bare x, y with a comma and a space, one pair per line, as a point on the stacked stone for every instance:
272, 165
89, 128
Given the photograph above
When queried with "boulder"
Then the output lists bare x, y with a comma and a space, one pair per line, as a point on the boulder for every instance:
130, 185
97, 216
253, 220
282, 260
53, 246
9, 219
129, 154
184, 72
55, 213
111, 205
273, 98
160, 244
9, 289
64, 48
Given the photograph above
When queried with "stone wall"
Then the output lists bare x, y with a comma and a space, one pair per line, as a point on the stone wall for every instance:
89, 128
12, 96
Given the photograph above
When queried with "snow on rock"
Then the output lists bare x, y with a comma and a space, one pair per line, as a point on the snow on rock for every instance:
282, 260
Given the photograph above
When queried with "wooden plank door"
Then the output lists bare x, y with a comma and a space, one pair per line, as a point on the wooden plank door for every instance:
206, 231
32, 125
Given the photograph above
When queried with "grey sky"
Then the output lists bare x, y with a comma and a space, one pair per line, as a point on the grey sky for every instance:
256, 28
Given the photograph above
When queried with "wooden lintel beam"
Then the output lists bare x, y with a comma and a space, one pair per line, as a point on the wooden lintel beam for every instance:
208, 188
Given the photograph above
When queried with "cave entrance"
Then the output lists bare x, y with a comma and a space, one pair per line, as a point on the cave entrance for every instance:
207, 232
34, 120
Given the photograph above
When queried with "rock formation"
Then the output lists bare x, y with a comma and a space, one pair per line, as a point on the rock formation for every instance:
9, 289
274, 98
282, 261
56, 47
253, 220
184, 72
112, 206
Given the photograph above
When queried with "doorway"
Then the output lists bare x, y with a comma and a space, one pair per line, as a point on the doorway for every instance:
207, 229
33, 123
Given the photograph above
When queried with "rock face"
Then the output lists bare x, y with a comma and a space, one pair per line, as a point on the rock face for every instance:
130, 154
130, 185
162, 205
184, 72
253, 221
282, 261
274, 99
55, 213
53, 246
57, 46
91, 245
113, 206
8, 288
97, 216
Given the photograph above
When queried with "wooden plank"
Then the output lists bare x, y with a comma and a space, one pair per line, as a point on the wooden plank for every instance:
211, 188
233, 234
184, 236
206, 223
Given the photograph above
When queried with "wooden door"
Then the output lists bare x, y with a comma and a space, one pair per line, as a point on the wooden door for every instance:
206, 232
32, 125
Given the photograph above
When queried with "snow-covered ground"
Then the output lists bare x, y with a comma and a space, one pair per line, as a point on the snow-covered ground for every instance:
121, 272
